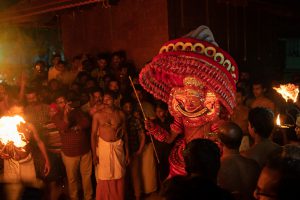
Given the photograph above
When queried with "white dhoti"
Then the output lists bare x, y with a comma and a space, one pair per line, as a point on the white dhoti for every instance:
19, 174
111, 160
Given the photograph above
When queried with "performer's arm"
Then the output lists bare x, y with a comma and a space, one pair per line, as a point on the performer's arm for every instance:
161, 134
94, 138
42, 148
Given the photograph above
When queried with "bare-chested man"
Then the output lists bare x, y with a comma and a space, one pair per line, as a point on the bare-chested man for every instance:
110, 150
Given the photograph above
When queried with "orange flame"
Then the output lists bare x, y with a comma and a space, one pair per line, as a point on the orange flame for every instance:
288, 91
278, 123
9, 131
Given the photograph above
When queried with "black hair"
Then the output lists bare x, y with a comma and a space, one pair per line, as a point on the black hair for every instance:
262, 120
232, 139
202, 157
287, 162
192, 188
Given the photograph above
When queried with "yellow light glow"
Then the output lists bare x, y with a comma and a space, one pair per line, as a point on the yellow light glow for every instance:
9, 131
288, 91
278, 123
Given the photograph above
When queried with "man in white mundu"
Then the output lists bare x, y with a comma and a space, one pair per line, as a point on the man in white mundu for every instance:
110, 150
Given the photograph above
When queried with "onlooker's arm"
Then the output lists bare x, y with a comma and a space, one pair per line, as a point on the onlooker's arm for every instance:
142, 137
94, 137
42, 148
125, 136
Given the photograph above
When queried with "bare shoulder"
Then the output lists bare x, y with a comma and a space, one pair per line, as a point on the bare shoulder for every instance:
98, 115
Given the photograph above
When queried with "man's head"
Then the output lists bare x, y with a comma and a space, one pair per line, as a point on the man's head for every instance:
230, 135
240, 96
102, 62
261, 122
56, 59
279, 179
31, 97
258, 89
96, 95
108, 98
161, 110
202, 157
16, 108
61, 101
113, 85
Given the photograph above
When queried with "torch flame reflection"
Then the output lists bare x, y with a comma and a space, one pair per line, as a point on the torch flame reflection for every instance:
9, 131
288, 91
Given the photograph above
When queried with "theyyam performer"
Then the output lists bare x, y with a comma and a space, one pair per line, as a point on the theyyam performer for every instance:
197, 79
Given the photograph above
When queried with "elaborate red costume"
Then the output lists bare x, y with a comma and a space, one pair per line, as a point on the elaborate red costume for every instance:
197, 79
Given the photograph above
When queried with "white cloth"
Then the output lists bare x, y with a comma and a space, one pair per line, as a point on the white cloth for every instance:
111, 160
18, 174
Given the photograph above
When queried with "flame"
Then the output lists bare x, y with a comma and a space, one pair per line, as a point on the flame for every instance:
288, 91
9, 131
278, 123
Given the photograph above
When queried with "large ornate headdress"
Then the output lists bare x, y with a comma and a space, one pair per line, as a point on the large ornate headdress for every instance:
194, 55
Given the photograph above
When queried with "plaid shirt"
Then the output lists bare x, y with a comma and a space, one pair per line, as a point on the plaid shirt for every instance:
75, 142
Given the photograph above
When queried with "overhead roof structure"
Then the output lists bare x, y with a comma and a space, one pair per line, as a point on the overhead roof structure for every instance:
28, 10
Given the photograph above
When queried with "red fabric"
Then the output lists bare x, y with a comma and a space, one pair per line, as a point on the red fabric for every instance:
110, 189
74, 142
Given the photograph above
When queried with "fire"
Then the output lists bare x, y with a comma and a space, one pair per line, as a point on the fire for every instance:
278, 123
288, 91
9, 131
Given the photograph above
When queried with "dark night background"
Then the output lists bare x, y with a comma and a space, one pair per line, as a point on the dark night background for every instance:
262, 35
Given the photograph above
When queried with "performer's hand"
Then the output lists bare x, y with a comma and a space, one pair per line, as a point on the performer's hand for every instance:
47, 168
149, 125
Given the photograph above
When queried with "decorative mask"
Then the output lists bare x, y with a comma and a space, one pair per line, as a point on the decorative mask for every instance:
193, 102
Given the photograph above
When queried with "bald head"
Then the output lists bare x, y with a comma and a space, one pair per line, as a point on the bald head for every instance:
230, 135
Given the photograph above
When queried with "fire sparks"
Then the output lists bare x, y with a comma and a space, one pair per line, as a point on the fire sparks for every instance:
288, 91
9, 131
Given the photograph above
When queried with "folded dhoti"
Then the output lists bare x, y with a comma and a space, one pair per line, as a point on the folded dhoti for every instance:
111, 160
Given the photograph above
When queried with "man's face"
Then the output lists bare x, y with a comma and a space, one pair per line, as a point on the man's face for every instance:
97, 97
116, 60
258, 90
52, 112
16, 110
113, 86
160, 113
61, 102
102, 63
239, 98
127, 108
267, 184
56, 60
108, 100
31, 98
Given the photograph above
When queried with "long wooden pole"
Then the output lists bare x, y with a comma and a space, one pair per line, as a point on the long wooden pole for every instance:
144, 115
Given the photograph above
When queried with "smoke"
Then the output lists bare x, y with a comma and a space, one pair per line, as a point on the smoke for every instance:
17, 50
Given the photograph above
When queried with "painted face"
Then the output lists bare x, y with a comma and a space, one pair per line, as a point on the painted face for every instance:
194, 103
